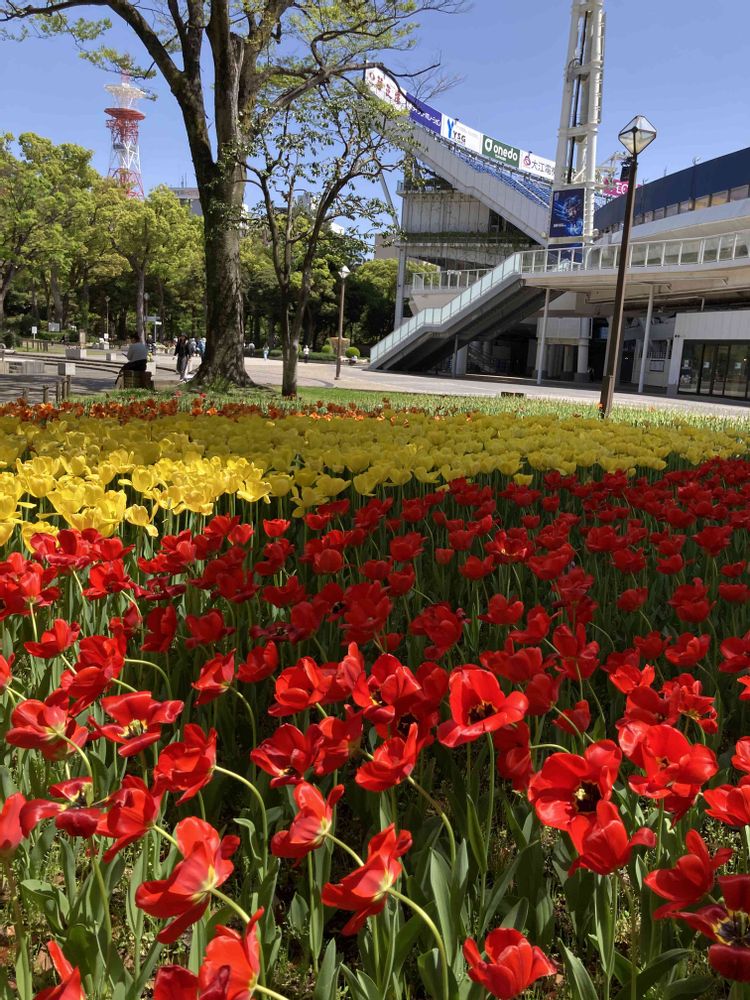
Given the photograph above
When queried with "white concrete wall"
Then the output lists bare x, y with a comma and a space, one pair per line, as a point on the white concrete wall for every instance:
730, 324
444, 212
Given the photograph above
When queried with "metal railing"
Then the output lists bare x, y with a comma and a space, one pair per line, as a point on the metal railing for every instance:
665, 254
444, 281
653, 254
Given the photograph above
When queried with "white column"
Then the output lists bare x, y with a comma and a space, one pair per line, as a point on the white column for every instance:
646, 336
582, 367
542, 335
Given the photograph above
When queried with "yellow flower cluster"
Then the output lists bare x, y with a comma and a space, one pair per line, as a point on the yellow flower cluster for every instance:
84, 471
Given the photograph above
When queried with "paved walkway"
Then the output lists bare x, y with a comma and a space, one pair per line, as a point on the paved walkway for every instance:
360, 377
96, 376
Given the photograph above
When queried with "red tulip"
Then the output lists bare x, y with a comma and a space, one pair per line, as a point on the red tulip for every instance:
74, 813
603, 845
186, 766
70, 988
129, 814
11, 832
675, 769
185, 895
365, 890
570, 787
161, 625
240, 953
138, 720
728, 804
6, 674
512, 965
40, 725
478, 706
393, 761
215, 677
55, 640
727, 926
288, 754
692, 877
311, 824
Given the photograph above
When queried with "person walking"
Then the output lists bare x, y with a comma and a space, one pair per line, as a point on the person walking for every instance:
182, 353
306, 353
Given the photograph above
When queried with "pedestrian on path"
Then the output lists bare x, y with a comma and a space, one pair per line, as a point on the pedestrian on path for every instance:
182, 353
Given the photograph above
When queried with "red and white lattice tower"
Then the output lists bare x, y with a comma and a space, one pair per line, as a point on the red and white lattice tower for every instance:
123, 122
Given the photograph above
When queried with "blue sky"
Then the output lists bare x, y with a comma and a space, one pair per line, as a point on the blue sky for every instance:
683, 63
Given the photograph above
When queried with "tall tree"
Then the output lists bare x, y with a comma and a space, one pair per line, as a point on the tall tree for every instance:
232, 54
38, 190
147, 234
315, 164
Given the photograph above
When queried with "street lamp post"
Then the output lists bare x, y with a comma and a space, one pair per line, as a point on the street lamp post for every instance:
106, 321
343, 274
635, 137
145, 317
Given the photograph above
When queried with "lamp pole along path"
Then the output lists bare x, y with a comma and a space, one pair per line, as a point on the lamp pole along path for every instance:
635, 137
343, 274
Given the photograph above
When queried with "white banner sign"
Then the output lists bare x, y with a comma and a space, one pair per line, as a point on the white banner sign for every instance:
463, 135
537, 165
386, 88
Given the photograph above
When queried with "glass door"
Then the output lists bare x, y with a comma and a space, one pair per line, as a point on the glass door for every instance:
706, 374
720, 370
738, 370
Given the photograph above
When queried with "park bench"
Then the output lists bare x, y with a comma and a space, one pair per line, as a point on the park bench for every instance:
134, 380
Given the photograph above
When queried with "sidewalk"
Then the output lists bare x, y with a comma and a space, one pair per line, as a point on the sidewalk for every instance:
358, 376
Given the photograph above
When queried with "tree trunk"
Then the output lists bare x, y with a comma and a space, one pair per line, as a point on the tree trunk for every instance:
140, 288
34, 306
162, 310
85, 304
221, 200
290, 353
57, 301
2, 309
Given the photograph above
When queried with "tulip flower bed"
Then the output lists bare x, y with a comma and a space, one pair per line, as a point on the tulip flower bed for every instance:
387, 706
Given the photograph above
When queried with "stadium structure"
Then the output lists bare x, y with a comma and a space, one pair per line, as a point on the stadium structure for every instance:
527, 251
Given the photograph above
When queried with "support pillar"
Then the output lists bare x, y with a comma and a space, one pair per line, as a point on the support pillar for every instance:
582, 366
542, 340
646, 337
398, 318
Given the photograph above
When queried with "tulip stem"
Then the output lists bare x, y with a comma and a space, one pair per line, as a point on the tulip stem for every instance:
345, 847
444, 819
82, 755
548, 746
250, 713
264, 990
156, 667
633, 936
167, 836
256, 793
14, 897
231, 904
435, 933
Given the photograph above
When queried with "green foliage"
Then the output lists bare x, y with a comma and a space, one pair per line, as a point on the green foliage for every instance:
352, 352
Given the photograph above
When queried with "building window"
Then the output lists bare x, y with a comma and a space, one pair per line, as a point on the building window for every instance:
738, 193
686, 206
672, 210
658, 214
648, 217
659, 350
719, 197
702, 202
